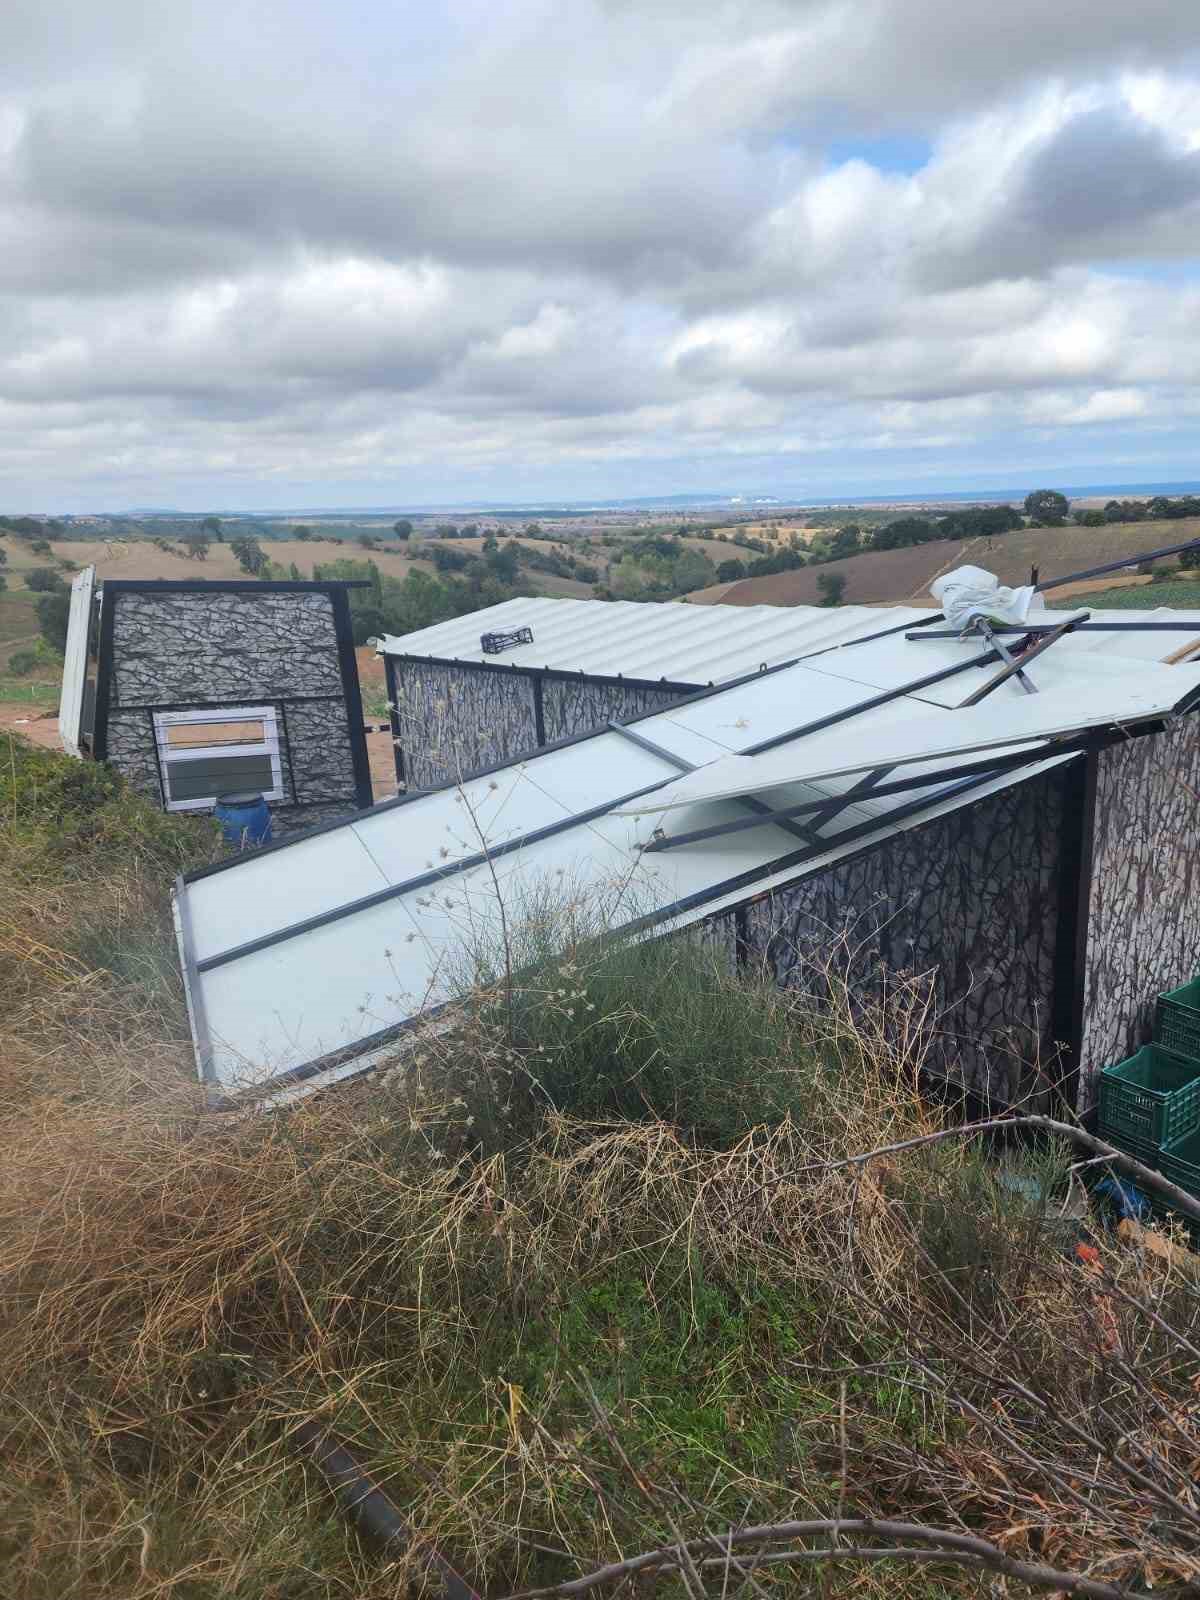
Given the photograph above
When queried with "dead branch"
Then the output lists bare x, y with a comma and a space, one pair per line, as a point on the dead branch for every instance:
959, 1548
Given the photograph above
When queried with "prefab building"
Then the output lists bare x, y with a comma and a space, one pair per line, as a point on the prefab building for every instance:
519, 676
902, 795
192, 690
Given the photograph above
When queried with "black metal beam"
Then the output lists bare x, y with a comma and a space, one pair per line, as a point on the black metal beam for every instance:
798, 858
669, 756
759, 807
1116, 566
1084, 627
1017, 663
993, 767
422, 881
870, 638
104, 675
230, 585
885, 697
360, 761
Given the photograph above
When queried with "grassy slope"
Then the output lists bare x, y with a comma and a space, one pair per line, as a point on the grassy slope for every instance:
556, 1344
893, 576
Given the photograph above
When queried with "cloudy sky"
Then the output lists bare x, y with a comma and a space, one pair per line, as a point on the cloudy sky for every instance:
380, 252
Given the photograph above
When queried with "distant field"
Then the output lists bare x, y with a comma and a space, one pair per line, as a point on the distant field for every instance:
1185, 595
140, 559
893, 576
774, 532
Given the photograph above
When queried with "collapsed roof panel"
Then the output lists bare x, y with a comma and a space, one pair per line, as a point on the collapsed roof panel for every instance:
1137, 694
335, 940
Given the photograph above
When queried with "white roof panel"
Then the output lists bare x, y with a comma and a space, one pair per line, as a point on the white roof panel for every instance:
650, 642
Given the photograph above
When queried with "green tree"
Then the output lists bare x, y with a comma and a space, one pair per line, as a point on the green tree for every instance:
847, 540
212, 525
730, 571
44, 580
3, 583
403, 528
302, 533
831, 586
1047, 508
53, 614
250, 556
197, 545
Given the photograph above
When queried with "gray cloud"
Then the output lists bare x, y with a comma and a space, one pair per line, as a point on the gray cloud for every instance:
488, 242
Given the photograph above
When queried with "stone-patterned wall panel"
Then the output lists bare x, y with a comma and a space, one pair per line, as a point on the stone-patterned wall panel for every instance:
1144, 912
322, 759
569, 707
290, 821
194, 646
453, 721
133, 753
971, 899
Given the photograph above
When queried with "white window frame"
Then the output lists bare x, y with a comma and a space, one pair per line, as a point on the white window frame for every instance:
169, 753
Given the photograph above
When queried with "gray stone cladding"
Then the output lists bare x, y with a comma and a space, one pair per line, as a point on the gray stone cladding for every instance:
1144, 907
197, 646
273, 649
968, 900
455, 720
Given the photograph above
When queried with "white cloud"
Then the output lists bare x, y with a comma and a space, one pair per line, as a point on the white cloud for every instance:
376, 252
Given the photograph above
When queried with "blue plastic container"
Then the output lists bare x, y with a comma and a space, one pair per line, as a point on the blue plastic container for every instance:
245, 819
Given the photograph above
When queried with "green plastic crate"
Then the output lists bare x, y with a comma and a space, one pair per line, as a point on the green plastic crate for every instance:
1177, 1020
1180, 1162
1150, 1100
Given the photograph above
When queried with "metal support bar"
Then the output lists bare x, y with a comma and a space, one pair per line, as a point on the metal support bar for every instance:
882, 699
747, 802
746, 880
640, 739
994, 766
422, 881
1015, 665
1024, 628
1116, 566
1027, 683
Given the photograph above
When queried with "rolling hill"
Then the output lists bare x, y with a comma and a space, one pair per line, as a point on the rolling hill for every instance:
890, 576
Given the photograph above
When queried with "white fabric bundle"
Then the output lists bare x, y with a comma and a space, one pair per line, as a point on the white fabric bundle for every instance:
970, 592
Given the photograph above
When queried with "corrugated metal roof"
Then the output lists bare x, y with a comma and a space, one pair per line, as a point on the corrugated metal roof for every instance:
652, 641
299, 956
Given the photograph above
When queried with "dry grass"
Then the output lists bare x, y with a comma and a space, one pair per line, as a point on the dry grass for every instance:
574, 1341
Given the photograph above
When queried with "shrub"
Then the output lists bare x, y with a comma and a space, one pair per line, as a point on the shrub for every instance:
54, 615
44, 580
22, 662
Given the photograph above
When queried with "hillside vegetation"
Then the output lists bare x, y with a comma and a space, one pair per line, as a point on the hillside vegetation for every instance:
583, 1275
881, 577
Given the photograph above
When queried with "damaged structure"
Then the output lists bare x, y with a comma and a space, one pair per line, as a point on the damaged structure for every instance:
522, 675
192, 690
1021, 828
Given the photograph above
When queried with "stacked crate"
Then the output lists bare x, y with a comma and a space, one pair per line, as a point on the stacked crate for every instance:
1150, 1104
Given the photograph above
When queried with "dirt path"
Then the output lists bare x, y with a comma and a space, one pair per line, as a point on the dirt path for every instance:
35, 723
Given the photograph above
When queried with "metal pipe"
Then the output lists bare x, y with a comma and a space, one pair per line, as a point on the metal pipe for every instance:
371, 1510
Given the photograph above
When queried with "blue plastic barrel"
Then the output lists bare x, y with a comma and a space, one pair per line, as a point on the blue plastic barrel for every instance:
245, 819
